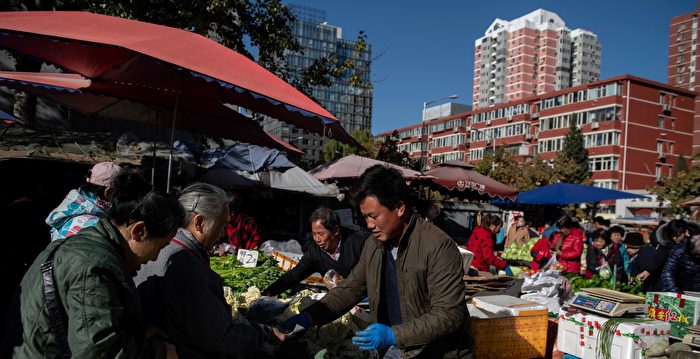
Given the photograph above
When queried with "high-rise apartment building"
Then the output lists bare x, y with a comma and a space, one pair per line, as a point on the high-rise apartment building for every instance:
683, 61
531, 55
351, 105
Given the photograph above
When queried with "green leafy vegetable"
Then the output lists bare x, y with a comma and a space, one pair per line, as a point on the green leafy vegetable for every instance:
241, 278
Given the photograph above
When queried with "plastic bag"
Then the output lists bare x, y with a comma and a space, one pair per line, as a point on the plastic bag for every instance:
332, 279
551, 263
265, 309
290, 246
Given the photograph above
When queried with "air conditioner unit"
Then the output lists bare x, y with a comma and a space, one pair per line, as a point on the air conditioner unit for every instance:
528, 136
537, 135
662, 156
455, 130
454, 147
595, 125
488, 142
488, 122
509, 118
666, 107
535, 115
468, 128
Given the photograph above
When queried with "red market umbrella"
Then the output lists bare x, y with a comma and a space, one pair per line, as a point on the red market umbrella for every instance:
460, 180
160, 65
354, 166
72, 90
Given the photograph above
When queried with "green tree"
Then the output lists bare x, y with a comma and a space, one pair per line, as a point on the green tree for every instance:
572, 162
521, 175
681, 165
388, 151
684, 186
333, 149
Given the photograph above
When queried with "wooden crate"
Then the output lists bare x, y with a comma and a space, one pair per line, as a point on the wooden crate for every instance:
519, 337
287, 261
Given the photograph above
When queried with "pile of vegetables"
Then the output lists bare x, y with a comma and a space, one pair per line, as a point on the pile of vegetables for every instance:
239, 279
520, 252
578, 282
331, 341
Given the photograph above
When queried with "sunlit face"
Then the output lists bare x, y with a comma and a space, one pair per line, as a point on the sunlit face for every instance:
212, 229
599, 243
325, 238
615, 237
679, 238
520, 222
632, 250
144, 246
386, 224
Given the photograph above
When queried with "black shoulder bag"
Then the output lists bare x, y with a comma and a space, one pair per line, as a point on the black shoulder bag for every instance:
57, 314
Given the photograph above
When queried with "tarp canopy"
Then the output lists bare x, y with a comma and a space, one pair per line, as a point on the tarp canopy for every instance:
460, 180
152, 64
72, 90
244, 165
354, 166
562, 193
245, 157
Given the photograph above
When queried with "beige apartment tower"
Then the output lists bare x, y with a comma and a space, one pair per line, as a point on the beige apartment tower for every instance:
532, 55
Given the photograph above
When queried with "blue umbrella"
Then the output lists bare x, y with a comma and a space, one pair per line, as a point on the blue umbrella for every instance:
561, 193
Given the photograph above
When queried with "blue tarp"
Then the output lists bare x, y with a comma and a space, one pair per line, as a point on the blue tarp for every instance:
245, 157
562, 193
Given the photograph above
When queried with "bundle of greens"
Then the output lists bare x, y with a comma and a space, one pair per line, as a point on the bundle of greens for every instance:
578, 282
607, 334
239, 279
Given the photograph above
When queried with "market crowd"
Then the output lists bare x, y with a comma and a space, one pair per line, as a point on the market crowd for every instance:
127, 275
667, 259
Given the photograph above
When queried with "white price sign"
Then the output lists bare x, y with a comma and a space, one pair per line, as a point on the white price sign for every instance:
247, 258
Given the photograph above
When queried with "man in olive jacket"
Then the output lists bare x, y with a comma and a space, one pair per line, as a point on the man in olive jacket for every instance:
412, 273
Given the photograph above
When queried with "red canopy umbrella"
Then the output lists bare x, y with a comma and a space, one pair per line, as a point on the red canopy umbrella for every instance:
459, 179
354, 166
160, 65
71, 90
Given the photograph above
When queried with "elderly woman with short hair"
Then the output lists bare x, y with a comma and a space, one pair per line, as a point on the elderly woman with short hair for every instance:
184, 297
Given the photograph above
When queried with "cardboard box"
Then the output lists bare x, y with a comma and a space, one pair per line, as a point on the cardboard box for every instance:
499, 336
681, 310
578, 335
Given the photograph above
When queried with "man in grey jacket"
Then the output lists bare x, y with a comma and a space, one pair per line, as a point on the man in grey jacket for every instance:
412, 273
181, 294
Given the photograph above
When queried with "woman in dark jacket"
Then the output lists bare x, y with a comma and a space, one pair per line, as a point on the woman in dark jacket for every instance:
682, 269
98, 311
667, 237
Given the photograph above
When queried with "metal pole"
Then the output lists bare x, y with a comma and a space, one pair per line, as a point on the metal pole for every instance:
424, 138
172, 138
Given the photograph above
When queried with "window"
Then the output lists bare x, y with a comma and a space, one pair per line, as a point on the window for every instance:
605, 184
607, 163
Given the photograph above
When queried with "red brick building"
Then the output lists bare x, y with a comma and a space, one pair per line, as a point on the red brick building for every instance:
683, 61
634, 129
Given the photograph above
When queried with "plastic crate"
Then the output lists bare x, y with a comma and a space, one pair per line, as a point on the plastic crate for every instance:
513, 337
287, 261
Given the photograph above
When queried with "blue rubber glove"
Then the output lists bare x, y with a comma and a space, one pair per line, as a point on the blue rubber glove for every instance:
302, 319
509, 271
376, 336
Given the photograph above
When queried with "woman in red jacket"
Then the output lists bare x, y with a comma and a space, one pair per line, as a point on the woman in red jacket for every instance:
568, 244
481, 243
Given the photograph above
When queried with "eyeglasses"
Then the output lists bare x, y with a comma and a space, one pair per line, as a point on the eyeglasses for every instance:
138, 205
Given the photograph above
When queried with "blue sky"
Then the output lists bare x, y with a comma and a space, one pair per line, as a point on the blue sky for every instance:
426, 48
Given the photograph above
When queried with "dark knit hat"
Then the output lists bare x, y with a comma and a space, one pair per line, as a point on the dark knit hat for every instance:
634, 239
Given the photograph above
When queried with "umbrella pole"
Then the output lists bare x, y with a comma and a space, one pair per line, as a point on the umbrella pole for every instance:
172, 137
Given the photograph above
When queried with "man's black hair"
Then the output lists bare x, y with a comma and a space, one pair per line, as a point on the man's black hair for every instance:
384, 183
599, 220
329, 219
